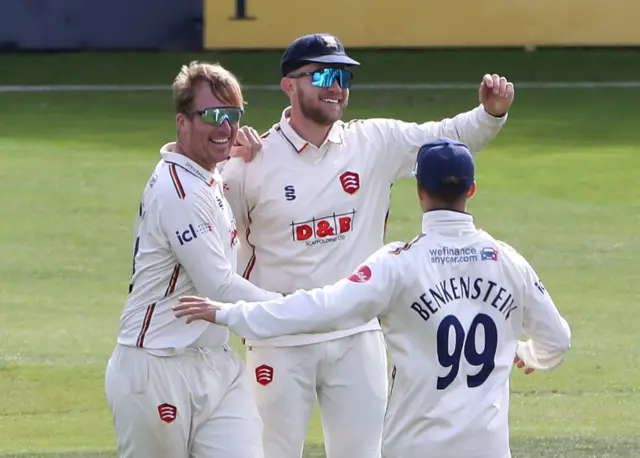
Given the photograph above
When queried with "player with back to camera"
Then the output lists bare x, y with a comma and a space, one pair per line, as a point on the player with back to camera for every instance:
175, 389
310, 207
452, 304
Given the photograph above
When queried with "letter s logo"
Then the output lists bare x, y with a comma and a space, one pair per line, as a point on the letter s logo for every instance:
290, 192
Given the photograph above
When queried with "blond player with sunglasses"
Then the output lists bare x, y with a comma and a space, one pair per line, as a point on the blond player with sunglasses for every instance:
310, 207
176, 390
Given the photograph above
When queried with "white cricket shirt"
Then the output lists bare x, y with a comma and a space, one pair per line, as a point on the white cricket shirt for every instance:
452, 305
185, 243
308, 216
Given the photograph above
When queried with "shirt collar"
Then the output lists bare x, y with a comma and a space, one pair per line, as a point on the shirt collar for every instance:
170, 156
448, 222
299, 143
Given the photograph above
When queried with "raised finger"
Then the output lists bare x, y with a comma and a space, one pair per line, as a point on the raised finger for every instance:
503, 87
496, 83
487, 80
241, 138
510, 90
253, 136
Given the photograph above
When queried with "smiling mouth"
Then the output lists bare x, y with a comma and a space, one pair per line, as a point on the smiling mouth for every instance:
219, 141
332, 101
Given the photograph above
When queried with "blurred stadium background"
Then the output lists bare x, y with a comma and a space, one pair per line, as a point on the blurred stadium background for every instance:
85, 106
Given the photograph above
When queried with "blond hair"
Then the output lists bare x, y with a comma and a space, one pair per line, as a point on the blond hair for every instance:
223, 84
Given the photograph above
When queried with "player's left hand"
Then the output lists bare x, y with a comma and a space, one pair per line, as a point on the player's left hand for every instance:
247, 144
496, 94
520, 364
196, 308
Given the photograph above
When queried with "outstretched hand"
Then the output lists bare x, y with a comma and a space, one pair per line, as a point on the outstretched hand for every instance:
196, 308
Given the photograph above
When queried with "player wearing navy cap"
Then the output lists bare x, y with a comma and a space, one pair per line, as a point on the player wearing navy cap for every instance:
317, 48
310, 207
452, 304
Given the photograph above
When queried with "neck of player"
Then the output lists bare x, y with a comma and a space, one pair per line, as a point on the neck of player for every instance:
205, 163
308, 130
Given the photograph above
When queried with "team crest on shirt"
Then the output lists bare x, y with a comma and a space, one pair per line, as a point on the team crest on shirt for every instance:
167, 412
264, 374
350, 182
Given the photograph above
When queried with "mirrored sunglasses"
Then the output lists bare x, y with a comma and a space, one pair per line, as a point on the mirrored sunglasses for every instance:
325, 77
216, 116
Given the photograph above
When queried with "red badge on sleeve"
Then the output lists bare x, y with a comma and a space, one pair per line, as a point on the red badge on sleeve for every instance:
362, 275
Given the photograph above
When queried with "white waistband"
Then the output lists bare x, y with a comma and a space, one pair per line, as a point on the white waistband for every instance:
188, 351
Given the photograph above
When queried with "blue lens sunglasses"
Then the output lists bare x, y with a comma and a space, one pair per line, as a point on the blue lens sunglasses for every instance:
325, 77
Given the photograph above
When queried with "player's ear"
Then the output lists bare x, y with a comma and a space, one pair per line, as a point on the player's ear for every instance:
422, 196
180, 120
286, 84
472, 191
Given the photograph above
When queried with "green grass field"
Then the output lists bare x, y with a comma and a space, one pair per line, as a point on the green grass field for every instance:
560, 184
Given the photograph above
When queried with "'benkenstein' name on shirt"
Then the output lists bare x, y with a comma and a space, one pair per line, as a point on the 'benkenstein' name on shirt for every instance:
458, 288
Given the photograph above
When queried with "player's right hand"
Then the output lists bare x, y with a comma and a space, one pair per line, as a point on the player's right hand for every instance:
247, 144
520, 364
196, 308
496, 94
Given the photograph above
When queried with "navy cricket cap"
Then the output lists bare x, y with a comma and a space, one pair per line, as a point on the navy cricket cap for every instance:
319, 47
443, 165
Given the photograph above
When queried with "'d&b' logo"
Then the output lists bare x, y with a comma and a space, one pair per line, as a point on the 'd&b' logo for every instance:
192, 233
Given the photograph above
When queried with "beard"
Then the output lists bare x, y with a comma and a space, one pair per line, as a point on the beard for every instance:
312, 110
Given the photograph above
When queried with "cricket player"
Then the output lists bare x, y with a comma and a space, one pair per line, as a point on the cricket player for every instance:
175, 389
310, 207
452, 304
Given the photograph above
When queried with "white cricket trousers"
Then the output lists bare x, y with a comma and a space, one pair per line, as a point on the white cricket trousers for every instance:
195, 405
348, 377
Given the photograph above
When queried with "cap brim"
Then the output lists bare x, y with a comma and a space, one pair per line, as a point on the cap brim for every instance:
345, 60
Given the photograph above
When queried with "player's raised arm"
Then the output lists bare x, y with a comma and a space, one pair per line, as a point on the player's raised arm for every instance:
476, 128
350, 302
549, 332
199, 248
